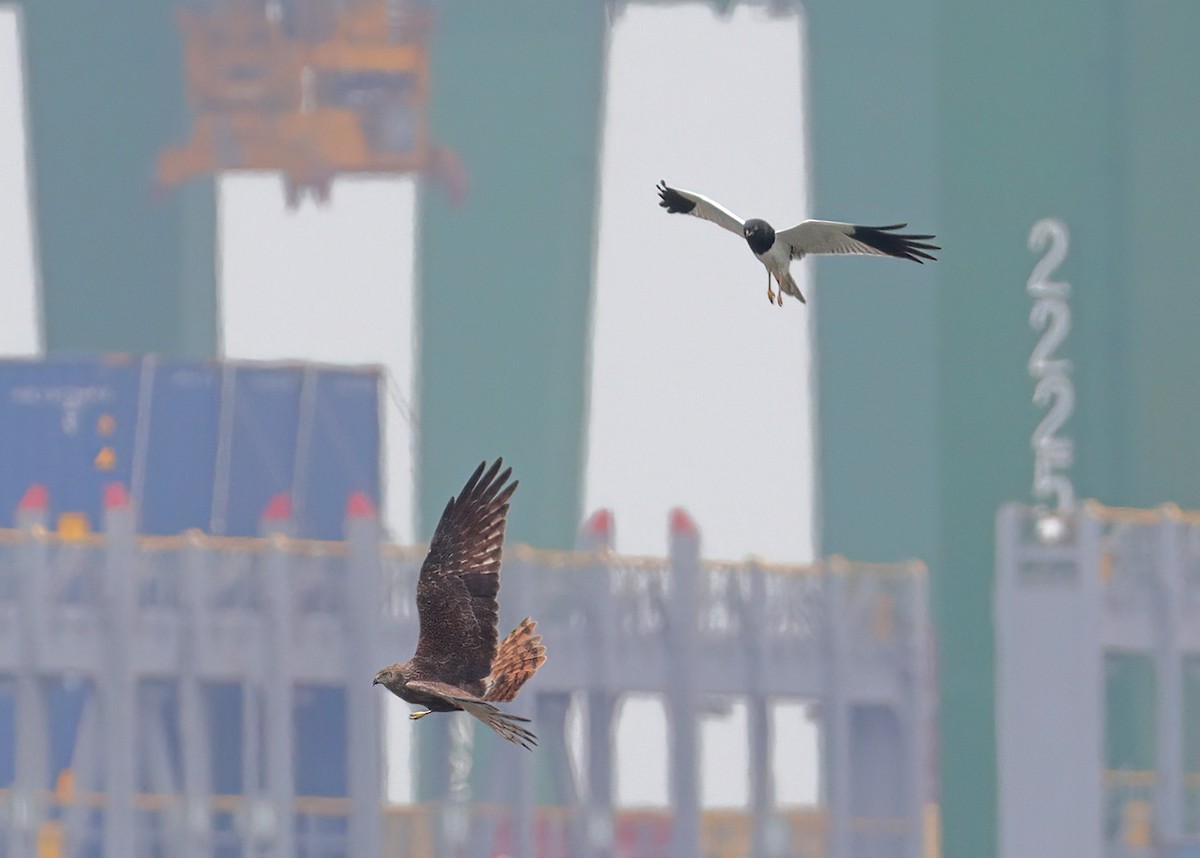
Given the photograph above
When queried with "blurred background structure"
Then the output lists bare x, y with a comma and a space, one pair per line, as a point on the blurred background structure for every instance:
1043, 141
218, 705
1115, 597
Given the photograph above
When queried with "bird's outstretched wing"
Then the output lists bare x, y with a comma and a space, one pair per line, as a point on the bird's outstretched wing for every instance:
504, 723
678, 201
825, 236
456, 591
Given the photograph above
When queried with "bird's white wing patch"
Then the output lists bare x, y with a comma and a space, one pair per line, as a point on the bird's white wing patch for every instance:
679, 201
824, 236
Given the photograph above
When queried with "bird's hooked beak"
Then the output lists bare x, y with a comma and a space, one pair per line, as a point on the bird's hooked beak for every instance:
376, 682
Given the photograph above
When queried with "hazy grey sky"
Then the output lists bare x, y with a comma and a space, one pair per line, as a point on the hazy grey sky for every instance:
277, 267
684, 337
20, 319
700, 387
700, 391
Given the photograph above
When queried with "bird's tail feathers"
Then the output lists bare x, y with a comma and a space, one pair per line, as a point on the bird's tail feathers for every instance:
504, 723
517, 659
788, 287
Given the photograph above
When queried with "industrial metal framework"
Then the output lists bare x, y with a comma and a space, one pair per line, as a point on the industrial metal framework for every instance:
1073, 593
153, 625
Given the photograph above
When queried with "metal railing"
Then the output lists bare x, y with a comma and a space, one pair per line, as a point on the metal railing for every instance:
149, 627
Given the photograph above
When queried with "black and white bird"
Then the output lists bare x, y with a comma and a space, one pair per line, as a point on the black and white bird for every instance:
776, 250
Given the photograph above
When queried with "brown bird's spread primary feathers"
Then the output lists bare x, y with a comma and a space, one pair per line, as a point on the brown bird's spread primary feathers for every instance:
457, 665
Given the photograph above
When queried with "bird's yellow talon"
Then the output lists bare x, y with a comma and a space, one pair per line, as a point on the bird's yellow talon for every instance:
419, 714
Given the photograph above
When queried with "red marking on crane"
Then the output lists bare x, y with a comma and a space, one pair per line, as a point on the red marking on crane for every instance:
600, 524
682, 523
35, 497
358, 505
278, 508
115, 495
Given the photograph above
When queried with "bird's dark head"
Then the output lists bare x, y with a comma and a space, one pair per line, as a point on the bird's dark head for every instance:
759, 235
391, 677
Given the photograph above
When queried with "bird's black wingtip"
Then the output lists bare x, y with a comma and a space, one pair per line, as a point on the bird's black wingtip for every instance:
885, 239
673, 201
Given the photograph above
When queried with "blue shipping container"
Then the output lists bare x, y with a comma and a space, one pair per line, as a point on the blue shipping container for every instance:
203, 444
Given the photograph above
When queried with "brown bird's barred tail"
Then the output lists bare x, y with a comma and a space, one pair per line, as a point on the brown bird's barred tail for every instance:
504, 723
517, 659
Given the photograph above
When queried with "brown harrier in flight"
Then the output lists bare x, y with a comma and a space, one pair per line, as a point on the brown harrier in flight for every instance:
457, 665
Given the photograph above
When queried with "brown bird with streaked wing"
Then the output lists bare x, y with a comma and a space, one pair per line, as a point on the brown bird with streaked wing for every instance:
457, 665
